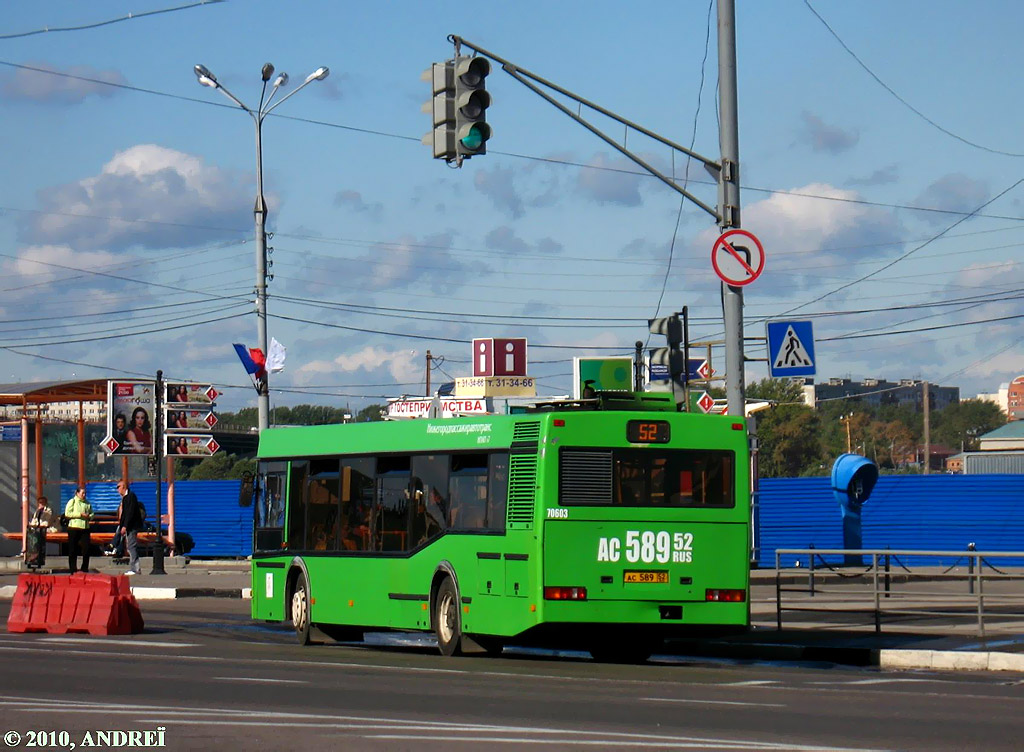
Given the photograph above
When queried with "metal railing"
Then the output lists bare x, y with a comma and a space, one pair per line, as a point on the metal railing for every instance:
865, 582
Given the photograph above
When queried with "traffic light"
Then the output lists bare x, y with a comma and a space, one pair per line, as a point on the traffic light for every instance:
671, 356
471, 103
441, 108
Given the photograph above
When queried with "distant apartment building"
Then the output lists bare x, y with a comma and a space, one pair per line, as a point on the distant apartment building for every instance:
59, 412
880, 392
1010, 398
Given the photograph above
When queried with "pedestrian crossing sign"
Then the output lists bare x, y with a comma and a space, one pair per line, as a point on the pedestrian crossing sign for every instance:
790, 348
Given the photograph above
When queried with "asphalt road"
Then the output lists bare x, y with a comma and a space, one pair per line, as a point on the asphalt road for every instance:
203, 676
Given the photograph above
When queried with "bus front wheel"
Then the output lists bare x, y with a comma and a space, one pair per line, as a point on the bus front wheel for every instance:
447, 619
300, 610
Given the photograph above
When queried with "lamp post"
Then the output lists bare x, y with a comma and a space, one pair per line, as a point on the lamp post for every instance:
206, 78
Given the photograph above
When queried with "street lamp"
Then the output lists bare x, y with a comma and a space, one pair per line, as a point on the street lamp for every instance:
206, 78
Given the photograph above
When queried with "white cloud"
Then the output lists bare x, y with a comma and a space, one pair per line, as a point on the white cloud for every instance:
954, 192
42, 86
45, 263
399, 363
147, 196
605, 186
825, 137
808, 239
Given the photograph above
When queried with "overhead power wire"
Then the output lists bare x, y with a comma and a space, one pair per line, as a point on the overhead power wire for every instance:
120, 278
417, 139
899, 98
160, 330
908, 253
98, 24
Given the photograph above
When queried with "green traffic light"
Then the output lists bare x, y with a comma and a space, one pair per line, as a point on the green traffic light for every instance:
474, 139
476, 135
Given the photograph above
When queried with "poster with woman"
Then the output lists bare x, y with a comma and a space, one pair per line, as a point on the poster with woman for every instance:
131, 407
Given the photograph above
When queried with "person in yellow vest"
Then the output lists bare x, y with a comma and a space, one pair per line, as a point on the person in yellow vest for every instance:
79, 516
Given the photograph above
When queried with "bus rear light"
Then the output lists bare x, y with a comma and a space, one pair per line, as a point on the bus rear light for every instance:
737, 426
725, 596
559, 423
565, 593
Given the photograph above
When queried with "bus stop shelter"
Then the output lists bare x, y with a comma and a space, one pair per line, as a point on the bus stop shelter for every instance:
28, 399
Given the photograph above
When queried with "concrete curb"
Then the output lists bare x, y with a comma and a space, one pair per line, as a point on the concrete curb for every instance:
951, 660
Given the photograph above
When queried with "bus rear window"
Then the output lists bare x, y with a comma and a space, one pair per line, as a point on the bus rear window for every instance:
647, 477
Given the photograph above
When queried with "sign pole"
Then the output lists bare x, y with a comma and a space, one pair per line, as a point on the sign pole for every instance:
729, 200
158, 442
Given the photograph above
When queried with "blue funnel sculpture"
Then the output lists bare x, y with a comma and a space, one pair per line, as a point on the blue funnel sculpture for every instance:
853, 478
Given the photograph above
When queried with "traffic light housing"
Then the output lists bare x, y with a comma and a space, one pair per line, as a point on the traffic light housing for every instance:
441, 108
471, 102
671, 356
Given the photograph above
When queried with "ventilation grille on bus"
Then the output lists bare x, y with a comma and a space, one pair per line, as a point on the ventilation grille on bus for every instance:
522, 475
585, 477
526, 431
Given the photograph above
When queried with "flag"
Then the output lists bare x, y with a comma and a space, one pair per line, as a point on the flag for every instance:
254, 362
275, 356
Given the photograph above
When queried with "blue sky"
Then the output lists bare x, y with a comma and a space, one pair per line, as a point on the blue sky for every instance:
126, 208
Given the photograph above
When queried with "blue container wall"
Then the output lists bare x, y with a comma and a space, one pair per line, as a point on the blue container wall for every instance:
207, 510
922, 512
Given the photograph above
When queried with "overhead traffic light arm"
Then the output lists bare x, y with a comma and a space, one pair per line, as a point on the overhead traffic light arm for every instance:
521, 75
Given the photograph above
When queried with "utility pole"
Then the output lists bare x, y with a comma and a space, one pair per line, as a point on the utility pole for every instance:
428, 373
927, 429
729, 200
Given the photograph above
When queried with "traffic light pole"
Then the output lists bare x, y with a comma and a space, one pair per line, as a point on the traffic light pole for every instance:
729, 201
727, 214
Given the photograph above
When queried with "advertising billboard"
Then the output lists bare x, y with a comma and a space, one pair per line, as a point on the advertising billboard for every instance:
131, 413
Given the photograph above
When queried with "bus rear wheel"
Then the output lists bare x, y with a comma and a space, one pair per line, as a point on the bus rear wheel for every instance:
448, 619
300, 610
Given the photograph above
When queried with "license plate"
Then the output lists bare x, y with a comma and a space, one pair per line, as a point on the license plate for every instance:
660, 576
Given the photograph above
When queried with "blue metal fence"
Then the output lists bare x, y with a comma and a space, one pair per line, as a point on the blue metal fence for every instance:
205, 510
934, 512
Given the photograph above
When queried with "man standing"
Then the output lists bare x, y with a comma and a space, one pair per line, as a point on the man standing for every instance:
79, 514
129, 524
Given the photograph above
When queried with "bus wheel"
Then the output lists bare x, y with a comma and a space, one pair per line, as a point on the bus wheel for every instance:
300, 610
447, 619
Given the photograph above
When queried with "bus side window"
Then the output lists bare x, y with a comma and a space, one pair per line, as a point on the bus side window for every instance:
469, 491
297, 504
357, 492
429, 513
323, 500
497, 490
389, 518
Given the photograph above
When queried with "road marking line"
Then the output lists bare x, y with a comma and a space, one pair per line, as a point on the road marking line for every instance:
666, 744
256, 679
751, 683
260, 718
120, 643
715, 702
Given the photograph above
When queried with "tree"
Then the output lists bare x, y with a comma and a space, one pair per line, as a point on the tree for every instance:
371, 412
216, 467
788, 432
960, 425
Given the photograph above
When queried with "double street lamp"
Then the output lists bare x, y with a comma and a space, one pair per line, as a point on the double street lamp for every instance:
206, 78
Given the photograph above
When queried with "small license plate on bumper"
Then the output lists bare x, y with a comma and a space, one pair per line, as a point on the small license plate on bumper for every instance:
645, 576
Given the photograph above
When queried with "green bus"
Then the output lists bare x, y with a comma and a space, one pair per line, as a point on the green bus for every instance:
607, 529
